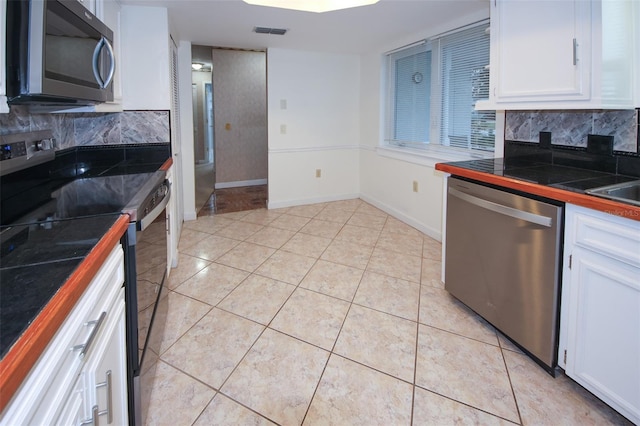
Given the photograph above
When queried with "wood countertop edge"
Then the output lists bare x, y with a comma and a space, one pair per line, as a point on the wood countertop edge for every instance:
601, 204
23, 355
167, 164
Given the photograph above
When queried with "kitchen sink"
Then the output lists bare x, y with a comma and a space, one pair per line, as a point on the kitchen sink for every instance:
627, 192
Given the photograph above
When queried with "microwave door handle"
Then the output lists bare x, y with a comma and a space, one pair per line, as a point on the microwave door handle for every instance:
96, 63
112, 62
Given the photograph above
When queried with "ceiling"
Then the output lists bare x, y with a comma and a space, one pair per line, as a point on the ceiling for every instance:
230, 23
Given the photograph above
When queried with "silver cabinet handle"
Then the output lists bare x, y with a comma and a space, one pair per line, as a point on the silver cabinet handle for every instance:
109, 410
85, 346
575, 52
499, 208
94, 417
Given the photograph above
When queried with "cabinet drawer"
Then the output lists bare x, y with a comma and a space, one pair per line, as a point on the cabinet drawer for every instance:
45, 390
612, 236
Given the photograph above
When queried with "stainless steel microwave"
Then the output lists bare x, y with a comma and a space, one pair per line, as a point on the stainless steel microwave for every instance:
58, 53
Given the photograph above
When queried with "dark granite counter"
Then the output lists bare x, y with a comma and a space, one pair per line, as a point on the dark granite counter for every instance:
37, 259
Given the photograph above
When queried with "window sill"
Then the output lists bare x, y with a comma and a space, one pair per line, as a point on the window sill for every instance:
430, 156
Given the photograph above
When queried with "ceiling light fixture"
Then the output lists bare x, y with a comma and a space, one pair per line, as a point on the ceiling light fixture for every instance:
197, 66
317, 6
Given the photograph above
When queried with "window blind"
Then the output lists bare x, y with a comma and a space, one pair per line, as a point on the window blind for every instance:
464, 59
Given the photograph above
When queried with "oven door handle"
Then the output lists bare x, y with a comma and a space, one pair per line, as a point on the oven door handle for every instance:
153, 214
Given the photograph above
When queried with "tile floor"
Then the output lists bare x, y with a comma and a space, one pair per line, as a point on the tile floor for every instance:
334, 313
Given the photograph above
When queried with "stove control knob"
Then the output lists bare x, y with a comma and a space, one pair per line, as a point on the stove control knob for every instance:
45, 144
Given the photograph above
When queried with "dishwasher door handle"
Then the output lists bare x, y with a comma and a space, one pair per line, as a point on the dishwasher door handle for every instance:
505, 210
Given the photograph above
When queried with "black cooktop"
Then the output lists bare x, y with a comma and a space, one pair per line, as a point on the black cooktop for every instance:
36, 259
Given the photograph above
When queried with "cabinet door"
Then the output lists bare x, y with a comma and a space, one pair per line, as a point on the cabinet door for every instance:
106, 369
541, 51
75, 410
603, 342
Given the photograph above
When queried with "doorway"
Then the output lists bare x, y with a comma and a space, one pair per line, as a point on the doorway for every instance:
230, 129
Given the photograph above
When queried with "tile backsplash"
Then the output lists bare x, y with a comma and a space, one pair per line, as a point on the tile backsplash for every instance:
78, 129
571, 128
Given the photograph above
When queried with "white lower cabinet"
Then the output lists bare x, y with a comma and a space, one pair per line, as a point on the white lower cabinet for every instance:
600, 314
84, 365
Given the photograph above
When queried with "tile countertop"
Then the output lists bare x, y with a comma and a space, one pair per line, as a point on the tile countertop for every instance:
561, 183
75, 269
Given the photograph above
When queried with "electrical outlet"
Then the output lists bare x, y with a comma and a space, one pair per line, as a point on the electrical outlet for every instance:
318, 173
415, 186
283, 129
283, 104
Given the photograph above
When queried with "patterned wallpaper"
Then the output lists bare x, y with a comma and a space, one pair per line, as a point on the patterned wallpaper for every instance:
75, 129
572, 127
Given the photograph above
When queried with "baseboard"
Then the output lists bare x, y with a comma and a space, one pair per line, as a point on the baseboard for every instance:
436, 234
313, 200
238, 183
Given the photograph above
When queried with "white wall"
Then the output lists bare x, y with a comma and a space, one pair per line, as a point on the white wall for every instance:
318, 128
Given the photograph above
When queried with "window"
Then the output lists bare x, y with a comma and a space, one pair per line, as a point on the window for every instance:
433, 87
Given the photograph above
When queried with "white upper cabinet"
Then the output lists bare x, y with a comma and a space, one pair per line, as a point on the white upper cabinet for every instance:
145, 71
572, 54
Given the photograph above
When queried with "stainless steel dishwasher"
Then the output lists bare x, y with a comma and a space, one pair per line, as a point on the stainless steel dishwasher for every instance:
503, 260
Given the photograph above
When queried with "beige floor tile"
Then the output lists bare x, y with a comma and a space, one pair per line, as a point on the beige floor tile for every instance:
380, 341
346, 253
286, 267
352, 394
246, 256
278, 377
358, 235
367, 221
290, 222
261, 216
333, 279
544, 400
366, 208
271, 237
396, 265
432, 273
333, 214
208, 224
257, 298
312, 317
398, 227
212, 284
401, 243
211, 247
182, 313
432, 249
391, 295
307, 245
350, 205
187, 267
465, 370
223, 411
170, 397
441, 310
189, 237
432, 409
212, 348
234, 215
149, 256
239, 230
308, 210
321, 228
